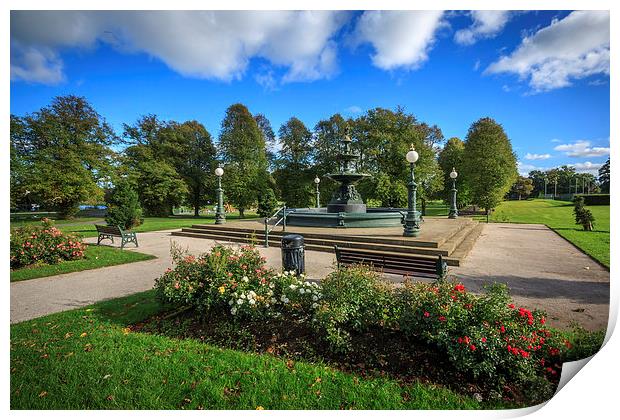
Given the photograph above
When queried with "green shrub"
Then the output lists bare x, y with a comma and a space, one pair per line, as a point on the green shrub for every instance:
583, 216
354, 299
267, 203
43, 244
595, 199
485, 335
236, 283
123, 207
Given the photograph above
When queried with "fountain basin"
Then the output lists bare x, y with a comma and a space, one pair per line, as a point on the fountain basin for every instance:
320, 217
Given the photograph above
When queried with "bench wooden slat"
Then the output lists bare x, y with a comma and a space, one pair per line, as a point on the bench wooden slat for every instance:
403, 265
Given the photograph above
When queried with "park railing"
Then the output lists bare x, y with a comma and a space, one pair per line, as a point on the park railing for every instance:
281, 220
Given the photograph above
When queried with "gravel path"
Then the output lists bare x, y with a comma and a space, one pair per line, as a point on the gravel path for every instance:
541, 269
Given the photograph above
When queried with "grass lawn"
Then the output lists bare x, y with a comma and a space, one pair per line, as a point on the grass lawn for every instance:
558, 215
96, 257
88, 359
84, 226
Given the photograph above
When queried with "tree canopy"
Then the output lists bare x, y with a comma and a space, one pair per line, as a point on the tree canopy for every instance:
490, 164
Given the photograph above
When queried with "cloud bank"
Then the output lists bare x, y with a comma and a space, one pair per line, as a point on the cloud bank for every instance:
200, 44
401, 39
568, 49
582, 149
486, 24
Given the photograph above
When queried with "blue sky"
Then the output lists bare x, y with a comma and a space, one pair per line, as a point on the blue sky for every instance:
543, 75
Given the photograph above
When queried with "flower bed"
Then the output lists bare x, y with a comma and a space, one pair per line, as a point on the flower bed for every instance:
43, 244
483, 336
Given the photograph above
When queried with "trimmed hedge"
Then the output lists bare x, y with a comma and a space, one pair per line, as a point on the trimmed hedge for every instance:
595, 199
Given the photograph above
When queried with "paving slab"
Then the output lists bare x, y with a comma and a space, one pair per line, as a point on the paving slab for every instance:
541, 269
37, 297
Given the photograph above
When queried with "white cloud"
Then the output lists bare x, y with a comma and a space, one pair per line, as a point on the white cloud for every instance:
536, 156
201, 44
401, 39
525, 168
582, 148
587, 167
568, 49
556, 141
36, 65
353, 109
486, 24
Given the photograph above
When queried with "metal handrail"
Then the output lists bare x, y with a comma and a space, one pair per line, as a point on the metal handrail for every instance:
282, 219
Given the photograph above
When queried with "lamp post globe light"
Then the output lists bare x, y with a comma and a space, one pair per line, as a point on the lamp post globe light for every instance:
453, 214
220, 214
317, 181
412, 224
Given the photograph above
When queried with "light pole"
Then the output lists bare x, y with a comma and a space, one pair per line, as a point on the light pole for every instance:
412, 224
453, 211
317, 181
220, 214
545, 188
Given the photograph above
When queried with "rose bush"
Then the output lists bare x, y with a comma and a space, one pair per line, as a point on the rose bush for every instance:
484, 335
43, 244
237, 282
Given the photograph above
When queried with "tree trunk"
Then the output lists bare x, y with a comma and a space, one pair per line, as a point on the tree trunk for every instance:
241, 214
197, 202
423, 207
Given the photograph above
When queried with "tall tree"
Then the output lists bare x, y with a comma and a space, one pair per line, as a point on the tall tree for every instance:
383, 137
490, 164
189, 149
327, 135
603, 177
151, 165
67, 150
522, 188
452, 156
293, 176
242, 149
270, 138
538, 182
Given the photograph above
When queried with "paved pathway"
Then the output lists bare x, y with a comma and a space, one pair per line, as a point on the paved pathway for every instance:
38, 297
542, 270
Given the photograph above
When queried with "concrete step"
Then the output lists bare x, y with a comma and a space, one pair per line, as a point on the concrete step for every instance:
340, 235
312, 247
466, 245
342, 242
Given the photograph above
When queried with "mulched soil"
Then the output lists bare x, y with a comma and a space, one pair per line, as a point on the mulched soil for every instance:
375, 353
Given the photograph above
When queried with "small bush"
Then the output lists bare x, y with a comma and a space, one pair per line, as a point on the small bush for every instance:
583, 216
43, 244
237, 283
123, 207
267, 203
595, 199
484, 335
354, 299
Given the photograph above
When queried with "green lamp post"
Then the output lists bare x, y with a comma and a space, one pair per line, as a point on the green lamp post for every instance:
317, 181
453, 210
220, 214
412, 223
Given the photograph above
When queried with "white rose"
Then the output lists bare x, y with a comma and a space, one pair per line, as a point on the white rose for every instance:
315, 298
239, 301
245, 279
302, 291
233, 311
230, 302
252, 302
314, 305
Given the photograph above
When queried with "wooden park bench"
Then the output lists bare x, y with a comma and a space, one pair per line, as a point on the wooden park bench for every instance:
109, 232
413, 266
